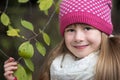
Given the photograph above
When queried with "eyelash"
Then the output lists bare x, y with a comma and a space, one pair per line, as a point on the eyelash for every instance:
87, 28
84, 28
70, 30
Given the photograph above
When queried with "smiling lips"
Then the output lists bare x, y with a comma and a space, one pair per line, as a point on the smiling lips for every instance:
81, 46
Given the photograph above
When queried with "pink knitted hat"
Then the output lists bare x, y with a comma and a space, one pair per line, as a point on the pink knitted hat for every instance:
96, 13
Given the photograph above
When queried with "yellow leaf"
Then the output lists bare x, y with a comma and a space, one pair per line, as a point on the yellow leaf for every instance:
45, 4
13, 32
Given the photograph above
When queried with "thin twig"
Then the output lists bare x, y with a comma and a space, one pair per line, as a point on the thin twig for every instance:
49, 19
33, 37
45, 24
6, 5
19, 59
4, 54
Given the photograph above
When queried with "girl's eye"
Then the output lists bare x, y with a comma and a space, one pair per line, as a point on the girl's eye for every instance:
69, 30
87, 28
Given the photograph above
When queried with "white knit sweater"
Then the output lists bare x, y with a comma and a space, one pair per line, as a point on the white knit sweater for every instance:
68, 68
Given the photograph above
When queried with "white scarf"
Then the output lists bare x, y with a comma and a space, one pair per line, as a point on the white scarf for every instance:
68, 68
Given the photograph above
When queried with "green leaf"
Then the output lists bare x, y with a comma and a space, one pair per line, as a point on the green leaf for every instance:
13, 32
20, 73
46, 38
5, 19
46, 12
27, 25
39, 1
23, 1
45, 4
29, 64
29, 74
57, 6
26, 50
41, 49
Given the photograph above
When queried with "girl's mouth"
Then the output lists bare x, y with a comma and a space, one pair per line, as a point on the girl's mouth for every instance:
81, 47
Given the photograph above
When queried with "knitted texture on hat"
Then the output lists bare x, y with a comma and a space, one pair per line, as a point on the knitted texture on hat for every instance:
96, 13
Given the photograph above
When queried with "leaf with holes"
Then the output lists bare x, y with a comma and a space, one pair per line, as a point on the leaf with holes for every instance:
20, 73
26, 50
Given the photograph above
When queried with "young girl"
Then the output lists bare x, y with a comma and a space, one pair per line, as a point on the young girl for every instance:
87, 51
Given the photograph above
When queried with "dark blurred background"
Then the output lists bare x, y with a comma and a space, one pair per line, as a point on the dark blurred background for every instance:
116, 16
30, 11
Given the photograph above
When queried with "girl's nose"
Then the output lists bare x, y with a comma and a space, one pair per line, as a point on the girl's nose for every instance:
79, 36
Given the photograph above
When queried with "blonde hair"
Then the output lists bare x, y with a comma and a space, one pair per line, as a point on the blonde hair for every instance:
108, 66
58, 50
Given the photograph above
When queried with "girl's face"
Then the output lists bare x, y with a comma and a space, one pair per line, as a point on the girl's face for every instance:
82, 39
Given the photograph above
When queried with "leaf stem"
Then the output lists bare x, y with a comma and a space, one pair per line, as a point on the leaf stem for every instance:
4, 54
6, 5
35, 35
49, 19
19, 59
